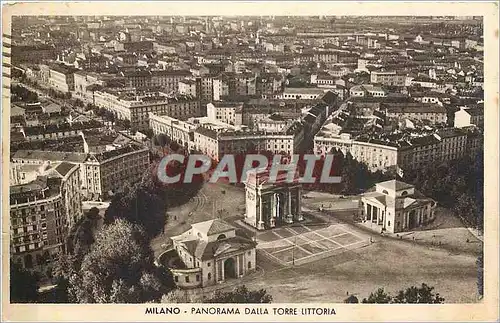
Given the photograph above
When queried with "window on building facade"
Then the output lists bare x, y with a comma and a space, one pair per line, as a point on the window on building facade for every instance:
249, 265
187, 279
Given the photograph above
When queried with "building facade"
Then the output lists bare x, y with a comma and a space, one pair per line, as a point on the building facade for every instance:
469, 117
212, 252
100, 173
136, 107
270, 205
41, 213
394, 206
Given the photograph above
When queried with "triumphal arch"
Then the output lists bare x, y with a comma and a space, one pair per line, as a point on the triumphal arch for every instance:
271, 203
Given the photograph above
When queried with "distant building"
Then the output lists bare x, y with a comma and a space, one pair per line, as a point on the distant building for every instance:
404, 151
415, 111
33, 53
187, 87
468, 117
291, 93
212, 252
395, 206
62, 78
366, 90
391, 78
168, 80
230, 112
136, 106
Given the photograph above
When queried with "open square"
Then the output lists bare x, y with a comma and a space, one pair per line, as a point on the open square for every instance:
302, 244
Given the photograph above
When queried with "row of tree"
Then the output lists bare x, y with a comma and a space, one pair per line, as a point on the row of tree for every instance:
240, 294
412, 295
456, 184
20, 93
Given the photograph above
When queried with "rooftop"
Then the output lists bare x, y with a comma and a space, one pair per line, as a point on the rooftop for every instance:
212, 227
395, 185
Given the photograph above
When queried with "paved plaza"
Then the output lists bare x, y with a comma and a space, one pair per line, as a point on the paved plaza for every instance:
301, 244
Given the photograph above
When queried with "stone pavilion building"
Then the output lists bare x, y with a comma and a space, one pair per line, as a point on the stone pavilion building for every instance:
396, 206
211, 252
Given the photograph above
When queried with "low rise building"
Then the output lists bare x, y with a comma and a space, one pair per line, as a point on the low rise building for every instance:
365, 90
306, 93
466, 117
60, 130
395, 206
212, 252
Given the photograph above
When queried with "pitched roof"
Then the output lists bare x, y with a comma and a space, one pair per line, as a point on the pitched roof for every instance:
395, 185
212, 227
64, 167
215, 248
50, 155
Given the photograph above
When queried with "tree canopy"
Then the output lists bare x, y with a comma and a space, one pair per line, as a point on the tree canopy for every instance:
119, 269
456, 184
240, 294
23, 284
411, 295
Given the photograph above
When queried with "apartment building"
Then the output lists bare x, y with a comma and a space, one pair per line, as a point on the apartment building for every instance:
167, 80
226, 112
100, 173
216, 144
376, 155
41, 214
187, 87
62, 78
392, 78
136, 106
415, 111
234, 85
86, 82
406, 152
181, 132
205, 83
268, 85
59, 130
